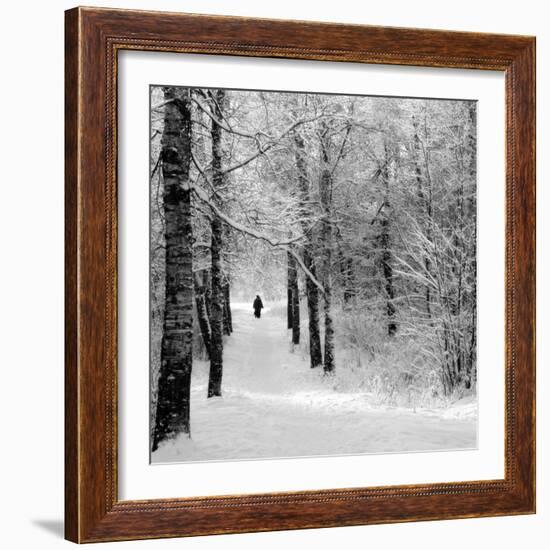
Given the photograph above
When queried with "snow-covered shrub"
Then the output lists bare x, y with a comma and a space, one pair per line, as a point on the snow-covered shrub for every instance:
393, 370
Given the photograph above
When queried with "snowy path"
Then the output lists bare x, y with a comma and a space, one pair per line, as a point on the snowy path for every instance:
274, 405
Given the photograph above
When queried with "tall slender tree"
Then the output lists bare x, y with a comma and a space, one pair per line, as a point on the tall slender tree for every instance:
424, 200
385, 241
312, 292
325, 193
289, 274
173, 402
216, 249
294, 298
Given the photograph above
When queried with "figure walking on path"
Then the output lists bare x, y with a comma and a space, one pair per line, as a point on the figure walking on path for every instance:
257, 305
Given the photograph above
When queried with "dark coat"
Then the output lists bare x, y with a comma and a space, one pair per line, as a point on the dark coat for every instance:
257, 305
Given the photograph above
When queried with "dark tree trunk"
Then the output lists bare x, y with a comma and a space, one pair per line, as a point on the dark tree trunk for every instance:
228, 300
294, 298
349, 291
385, 242
207, 292
217, 299
346, 274
174, 384
227, 321
342, 268
315, 353
387, 270
202, 313
312, 292
423, 203
471, 379
295, 314
216, 316
227, 315
289, 292
326, 198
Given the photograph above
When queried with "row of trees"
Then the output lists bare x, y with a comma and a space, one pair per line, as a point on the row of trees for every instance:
350, 205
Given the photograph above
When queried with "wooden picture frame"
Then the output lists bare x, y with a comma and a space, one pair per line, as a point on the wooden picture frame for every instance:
93, 511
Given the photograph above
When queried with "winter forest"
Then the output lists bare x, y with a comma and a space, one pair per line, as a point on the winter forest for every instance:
353, 219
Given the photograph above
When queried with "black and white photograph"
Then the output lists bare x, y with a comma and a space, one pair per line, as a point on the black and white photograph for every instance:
312, 274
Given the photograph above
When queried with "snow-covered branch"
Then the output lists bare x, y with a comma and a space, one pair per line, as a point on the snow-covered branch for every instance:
285, 245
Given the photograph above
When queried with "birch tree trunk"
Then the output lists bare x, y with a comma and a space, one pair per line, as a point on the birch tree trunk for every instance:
217, 293
312, 292
326, 192
172, 414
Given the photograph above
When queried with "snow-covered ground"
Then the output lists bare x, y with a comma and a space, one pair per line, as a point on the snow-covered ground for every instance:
275, 405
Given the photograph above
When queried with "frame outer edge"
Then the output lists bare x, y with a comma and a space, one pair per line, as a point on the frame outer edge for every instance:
72, 447
524, 68
92, 263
